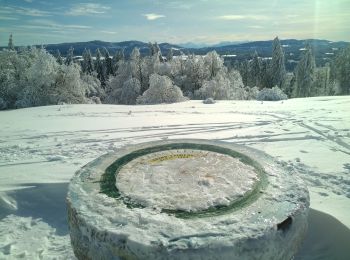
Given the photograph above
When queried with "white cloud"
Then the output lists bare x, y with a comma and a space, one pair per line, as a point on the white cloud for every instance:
255, 27
8, 18
87, 9
153, 16
75, 26
24, 11
233, 17
108, 32
44, 24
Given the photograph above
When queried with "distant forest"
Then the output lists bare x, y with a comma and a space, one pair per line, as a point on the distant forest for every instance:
31, 76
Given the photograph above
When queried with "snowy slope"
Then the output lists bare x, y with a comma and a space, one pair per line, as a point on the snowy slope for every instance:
41, 148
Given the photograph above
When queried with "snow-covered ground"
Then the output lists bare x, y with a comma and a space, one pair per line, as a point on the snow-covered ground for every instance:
41, 148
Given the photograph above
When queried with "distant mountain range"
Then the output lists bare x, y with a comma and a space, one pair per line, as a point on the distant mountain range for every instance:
323, 49
112, 47
205, 45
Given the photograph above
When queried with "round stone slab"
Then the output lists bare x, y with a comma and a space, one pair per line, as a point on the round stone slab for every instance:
186, 199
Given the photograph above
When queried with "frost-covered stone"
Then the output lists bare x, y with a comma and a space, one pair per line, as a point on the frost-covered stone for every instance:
274, 94
186, 199
209, 101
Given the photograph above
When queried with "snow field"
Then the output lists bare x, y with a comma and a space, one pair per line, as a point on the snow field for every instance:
42, 147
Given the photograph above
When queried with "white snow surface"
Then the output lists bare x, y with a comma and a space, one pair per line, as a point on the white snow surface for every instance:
42, 147
204, 180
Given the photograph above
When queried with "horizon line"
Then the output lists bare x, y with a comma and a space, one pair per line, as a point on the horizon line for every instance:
179, 44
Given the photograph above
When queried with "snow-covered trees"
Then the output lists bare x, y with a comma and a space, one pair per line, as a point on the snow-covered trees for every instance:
170, 55
100, 68
70, 56
214, 63
278, 71
265, 79
217, 88
307, 80
93, 87
342, 71
47, 82
68, 86
117, 58
11, 76
135, 64
322, 84
87, 64
154, 50
161, 90
196, 73
108, 63
244, 71
33, 78
130, 91
223, 86
254, 71
305, 74
39, 81
123, 88
59, 57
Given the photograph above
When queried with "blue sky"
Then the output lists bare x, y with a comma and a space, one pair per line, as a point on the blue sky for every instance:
175, 21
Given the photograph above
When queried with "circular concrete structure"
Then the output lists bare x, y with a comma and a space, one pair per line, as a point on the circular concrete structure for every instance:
186, 199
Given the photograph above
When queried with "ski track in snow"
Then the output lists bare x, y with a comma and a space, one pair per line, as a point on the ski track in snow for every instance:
41, 148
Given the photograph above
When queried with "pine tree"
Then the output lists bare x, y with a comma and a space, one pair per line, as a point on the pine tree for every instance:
158, 52
151, 49
342, 71
100, 69
170, 54
11, 46
135, 54
108, 63
254, 71
118, 56
59, 57
305, 74
278, 70
70, 56
244, 71
136, 65
87, 63
83, 62
322, 82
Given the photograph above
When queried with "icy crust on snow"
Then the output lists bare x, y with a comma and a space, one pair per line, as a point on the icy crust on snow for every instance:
185, 179
271, 227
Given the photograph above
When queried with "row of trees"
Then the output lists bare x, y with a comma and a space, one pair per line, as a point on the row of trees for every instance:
33, 77
306, 81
